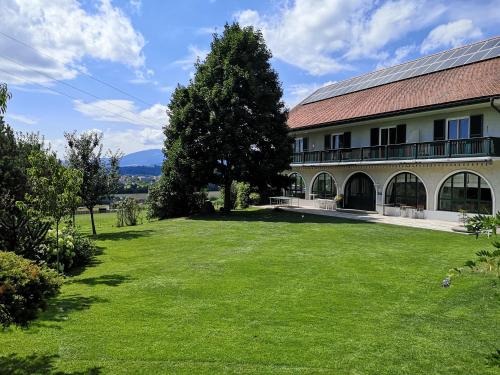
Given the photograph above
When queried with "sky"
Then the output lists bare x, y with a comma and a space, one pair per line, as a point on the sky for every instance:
111, 65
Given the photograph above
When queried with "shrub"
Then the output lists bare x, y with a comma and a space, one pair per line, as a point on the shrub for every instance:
128, 212
24, 288
242, 195
74, 249
254, 198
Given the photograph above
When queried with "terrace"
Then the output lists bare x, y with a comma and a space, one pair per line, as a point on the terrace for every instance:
460, 148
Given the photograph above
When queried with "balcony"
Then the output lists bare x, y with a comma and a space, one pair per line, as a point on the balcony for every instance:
460, 148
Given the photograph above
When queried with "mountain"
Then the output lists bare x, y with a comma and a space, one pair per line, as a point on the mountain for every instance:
143, 158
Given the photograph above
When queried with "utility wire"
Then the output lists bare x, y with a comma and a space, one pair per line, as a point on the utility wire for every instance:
70, 96
87, 74
76, 88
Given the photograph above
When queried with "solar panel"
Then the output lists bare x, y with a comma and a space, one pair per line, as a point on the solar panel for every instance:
487, 49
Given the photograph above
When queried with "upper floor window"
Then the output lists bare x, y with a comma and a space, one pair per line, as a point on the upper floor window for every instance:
459, 128
300, 144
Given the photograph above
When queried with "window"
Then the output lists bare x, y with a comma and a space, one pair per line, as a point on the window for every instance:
298, 146
297, 187
465, 191
458, 128
406, 189
336, 141
388, 136
324, 187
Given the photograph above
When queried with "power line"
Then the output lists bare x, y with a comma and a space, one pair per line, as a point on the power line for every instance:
75, 87
84, 73
69, 96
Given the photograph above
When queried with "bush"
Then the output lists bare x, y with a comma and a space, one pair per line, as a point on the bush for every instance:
254, 198
24, 289
74, 249
242, 195
128, 212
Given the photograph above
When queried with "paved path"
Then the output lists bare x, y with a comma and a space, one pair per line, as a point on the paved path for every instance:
445, 226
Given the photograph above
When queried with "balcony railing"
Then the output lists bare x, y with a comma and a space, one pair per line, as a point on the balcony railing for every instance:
488, 146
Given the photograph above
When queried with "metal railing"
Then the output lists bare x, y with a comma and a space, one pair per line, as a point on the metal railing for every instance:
486, 146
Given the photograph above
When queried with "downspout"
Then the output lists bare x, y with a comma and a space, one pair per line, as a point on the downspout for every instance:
492, 102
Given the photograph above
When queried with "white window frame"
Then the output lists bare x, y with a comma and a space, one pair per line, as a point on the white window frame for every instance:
301, 144
448, 124
332, 142
388, 133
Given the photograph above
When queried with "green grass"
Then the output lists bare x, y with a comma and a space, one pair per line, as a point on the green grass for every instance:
266, 292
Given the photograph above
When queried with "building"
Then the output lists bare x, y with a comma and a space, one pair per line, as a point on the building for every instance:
418, 139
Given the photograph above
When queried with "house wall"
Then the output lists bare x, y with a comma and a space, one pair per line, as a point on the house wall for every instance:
419, 128
432, 175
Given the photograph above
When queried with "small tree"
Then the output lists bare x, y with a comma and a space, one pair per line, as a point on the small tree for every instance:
99, 179
54, 188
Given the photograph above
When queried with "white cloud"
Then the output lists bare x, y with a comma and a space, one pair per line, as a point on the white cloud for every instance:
124, 111
127, 141
452, 34
21, 118
325, 36
136, 5
194, 54
297, 92
63, 33
400, 55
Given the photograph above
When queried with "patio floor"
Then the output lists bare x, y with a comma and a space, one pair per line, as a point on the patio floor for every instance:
305, 206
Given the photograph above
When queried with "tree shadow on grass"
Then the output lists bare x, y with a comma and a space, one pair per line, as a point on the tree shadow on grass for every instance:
123, 235
493, 359
59, 308
14, 364
276, 216
108, 280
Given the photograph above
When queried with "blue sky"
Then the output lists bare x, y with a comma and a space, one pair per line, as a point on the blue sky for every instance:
55, 54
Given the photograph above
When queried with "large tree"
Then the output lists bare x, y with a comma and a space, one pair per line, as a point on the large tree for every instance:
230, 122
99, 178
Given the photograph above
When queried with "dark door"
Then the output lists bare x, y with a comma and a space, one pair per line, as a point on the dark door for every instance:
360, 193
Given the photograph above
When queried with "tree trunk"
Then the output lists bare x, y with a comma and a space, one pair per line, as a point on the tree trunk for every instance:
92, 219
227, 190
57, 246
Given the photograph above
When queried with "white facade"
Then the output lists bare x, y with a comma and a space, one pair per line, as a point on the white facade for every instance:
431, 172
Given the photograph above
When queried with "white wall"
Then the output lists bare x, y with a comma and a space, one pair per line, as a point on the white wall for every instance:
431, 174
419, 127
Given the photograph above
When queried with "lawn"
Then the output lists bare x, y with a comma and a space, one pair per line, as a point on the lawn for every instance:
265, 292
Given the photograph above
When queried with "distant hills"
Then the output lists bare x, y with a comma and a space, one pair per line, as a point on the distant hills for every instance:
142, 163
143, 158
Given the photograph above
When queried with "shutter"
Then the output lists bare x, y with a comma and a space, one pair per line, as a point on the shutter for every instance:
439, 130
374, 136
401, 134
346, 140
328, 139
476, 126
305, 143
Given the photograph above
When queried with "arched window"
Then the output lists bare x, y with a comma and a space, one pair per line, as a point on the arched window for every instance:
465, 191
324, 187
406, 189
297, 187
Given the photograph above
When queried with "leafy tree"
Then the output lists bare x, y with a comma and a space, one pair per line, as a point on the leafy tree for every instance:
248, 136
55, 189
230, 123
99, 180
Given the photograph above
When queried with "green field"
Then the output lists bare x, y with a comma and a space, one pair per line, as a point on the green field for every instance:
266, 292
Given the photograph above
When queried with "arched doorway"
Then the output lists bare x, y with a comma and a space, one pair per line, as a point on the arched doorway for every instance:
297, 187
406, 189
359, 193
324, 186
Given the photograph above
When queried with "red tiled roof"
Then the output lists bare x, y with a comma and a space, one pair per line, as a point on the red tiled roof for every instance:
467, 82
